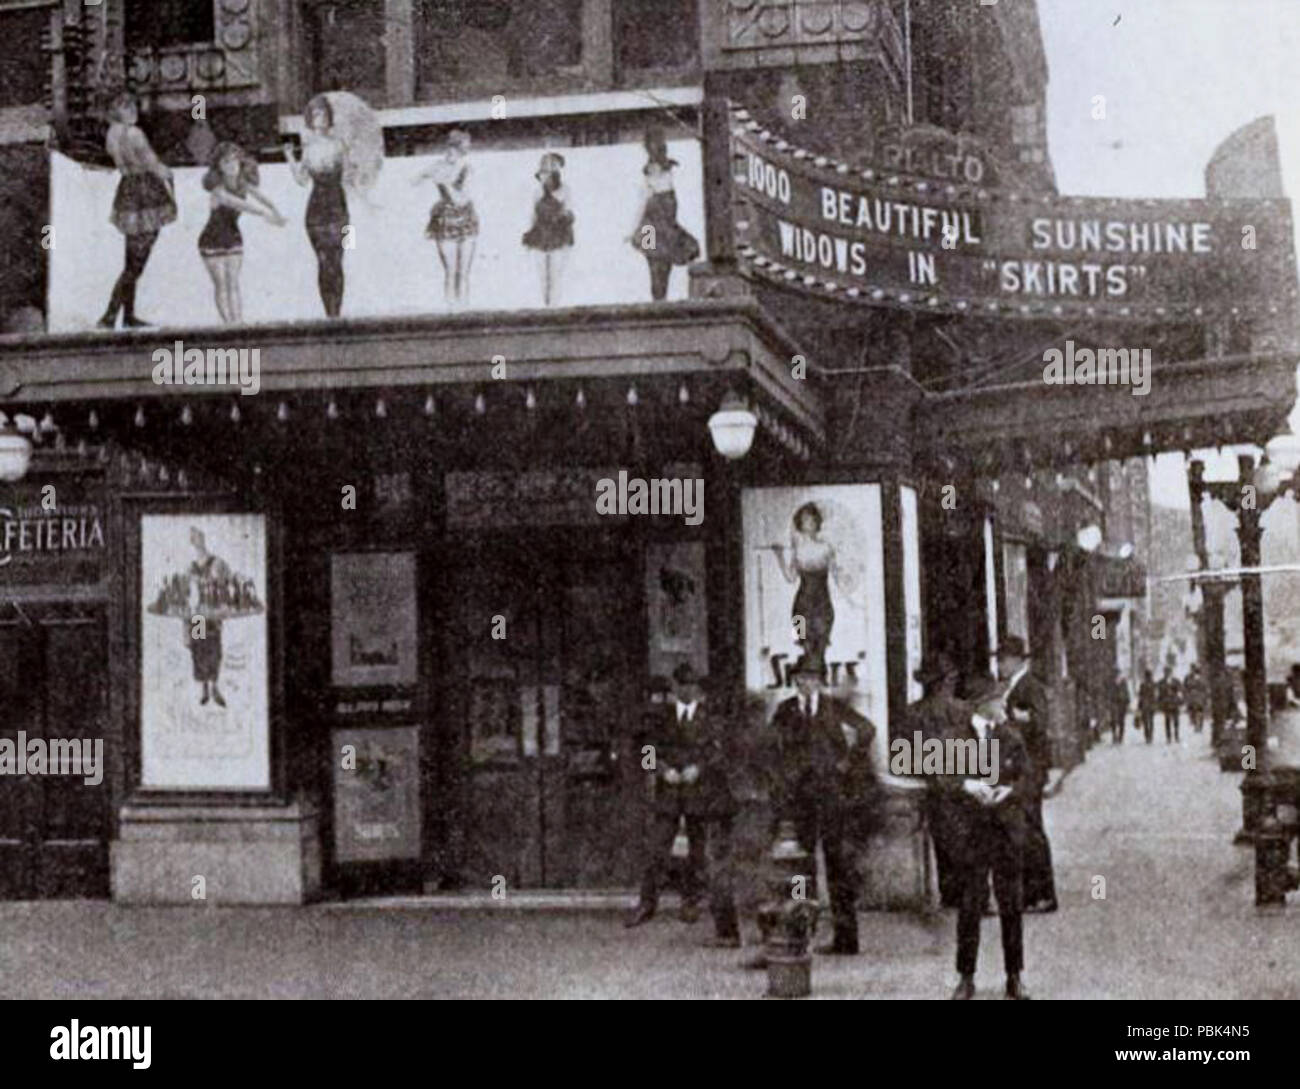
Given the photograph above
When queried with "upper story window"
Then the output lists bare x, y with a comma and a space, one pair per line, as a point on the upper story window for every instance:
652, 35
160, 24
24, 71
482, 47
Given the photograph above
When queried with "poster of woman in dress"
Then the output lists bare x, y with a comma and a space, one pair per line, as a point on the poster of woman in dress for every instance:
204, 687
814, 587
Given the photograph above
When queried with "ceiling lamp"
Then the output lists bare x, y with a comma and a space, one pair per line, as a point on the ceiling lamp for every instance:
732, 427
15, 450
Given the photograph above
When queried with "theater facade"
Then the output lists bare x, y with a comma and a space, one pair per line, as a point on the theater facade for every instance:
373, 626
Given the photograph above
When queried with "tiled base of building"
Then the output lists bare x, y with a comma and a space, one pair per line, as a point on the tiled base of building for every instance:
244, 855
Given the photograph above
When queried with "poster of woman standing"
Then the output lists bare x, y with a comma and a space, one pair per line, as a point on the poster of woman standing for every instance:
814, 588
204, 711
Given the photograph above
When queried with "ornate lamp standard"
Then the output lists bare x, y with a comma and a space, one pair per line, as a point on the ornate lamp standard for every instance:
1211, 591
1248, 497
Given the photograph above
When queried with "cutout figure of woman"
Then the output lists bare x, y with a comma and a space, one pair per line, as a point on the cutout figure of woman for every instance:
453, 222
811, 562
321, 164
657, 234
232, 180
551, 234
205, 573
145, 202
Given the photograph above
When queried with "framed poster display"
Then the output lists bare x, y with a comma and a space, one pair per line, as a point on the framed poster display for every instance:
815, 588
376, 794
204, 658
373, 626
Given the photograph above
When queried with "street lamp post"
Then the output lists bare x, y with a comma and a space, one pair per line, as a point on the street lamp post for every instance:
1210, 628
1248, 497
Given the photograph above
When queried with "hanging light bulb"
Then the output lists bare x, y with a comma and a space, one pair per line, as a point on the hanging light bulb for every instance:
581, 399
683, 395
530, 400
282, 412
632, 396
93, 420
480, 404
332, 410
430, 406
234, 412
139, 417
381, 409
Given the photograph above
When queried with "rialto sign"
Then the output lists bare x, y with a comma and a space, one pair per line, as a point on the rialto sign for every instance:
883, 237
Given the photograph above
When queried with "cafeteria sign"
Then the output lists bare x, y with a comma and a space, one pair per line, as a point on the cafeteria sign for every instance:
34, 533
880, 237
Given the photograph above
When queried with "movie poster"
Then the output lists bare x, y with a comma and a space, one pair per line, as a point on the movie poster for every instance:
377, 794
679, 613
815, 588
204, 691
373, 623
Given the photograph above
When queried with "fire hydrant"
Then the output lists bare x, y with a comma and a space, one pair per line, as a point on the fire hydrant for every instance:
786, 921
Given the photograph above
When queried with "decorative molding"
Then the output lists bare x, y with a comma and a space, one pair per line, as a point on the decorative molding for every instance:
812, 25
231, 60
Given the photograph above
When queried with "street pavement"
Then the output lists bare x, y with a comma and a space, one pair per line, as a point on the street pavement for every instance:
1150, 826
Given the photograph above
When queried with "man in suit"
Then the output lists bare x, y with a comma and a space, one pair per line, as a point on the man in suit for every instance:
940, 715
687, 743
1026, 703
819, 766
1171, 698
992, 823
1119, 701
1147, 699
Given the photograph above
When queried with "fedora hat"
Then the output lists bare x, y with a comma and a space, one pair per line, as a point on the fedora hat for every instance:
685, 674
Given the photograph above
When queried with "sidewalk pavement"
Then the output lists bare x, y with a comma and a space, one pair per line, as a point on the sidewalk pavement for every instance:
1154, 821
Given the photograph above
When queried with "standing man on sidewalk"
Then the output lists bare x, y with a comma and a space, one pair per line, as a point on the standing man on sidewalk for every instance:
820, 772
991, 820
1147, 699
1027, 708
687, 742
940, 715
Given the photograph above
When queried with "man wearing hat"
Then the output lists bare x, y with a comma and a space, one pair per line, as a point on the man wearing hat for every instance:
940, 715
990, 821
820, 769
687, 757
1026, 701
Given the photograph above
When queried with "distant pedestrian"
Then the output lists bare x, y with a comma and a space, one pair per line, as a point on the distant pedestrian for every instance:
991, 821
1171, 698
1195, 696
1119, 701
1148, 697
